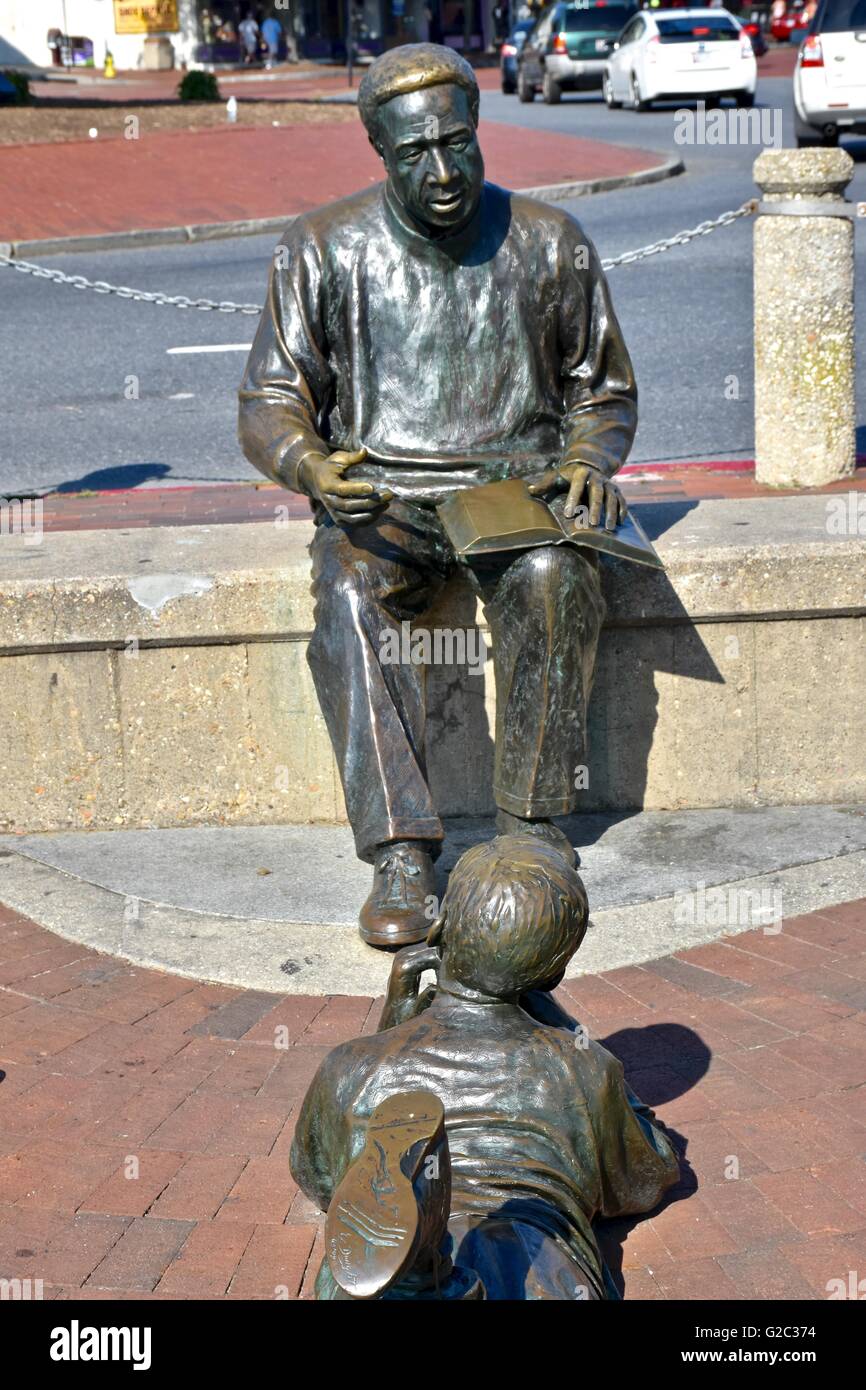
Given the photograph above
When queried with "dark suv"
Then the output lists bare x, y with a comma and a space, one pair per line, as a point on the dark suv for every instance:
567, 48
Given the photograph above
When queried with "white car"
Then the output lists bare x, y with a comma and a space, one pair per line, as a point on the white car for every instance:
830, 76
666, 54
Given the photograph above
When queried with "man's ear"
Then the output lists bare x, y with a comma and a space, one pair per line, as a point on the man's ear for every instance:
436, 932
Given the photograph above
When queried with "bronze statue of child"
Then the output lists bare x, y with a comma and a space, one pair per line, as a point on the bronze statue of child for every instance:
466, 1148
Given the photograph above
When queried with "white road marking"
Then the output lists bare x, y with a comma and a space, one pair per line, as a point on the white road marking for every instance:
212, 347
182, 396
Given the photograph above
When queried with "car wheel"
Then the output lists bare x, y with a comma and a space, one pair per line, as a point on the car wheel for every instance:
817, 141
525, 89
550, 90
745, 100
607, 92
637, 101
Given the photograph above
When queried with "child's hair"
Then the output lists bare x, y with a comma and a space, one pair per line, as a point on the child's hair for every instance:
515, 913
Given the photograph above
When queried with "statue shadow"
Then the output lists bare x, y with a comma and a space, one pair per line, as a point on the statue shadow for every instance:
118, 478
634, 651
661, 1062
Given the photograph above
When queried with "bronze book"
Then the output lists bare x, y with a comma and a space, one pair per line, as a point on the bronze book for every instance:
494, 517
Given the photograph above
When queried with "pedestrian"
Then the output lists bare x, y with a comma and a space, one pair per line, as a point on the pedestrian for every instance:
272, 33
249, 32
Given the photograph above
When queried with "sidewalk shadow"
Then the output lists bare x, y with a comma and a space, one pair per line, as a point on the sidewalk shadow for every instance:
646, 1055
119, 478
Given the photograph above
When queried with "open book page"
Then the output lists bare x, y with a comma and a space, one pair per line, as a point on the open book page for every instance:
503, 516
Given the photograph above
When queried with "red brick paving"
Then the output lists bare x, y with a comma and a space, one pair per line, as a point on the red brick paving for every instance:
238, 502
144, 1148
182, 178
307, 79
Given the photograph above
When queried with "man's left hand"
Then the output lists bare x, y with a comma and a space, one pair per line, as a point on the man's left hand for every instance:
586, 486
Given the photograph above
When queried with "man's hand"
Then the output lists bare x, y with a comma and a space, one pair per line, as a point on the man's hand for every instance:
583, 481
402, 1000
350, 504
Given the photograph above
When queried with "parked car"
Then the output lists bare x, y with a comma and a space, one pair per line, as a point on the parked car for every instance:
666, 54
565, 50
508, 54
756, 35
830, 76
791, 25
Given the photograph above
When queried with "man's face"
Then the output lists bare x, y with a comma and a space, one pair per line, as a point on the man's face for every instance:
432, 156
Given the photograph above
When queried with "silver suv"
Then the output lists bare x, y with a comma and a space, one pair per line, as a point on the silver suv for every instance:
567, 49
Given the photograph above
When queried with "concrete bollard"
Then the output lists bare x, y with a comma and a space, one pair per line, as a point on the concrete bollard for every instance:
805, 423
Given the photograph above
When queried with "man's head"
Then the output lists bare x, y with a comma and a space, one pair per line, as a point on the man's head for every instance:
419, 104
514, 914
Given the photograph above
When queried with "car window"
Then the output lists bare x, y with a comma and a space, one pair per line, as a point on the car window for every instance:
711, 28
578, 20
835, 16
631, 32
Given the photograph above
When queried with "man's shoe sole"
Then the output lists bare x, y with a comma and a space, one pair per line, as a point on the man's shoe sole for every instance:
372, 1225
401, 936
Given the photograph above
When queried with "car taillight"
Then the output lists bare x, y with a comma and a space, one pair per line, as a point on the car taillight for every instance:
811, 54
651, 52
508, 50
559, 44
746, 49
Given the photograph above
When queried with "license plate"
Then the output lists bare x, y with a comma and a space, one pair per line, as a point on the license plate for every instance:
601, 45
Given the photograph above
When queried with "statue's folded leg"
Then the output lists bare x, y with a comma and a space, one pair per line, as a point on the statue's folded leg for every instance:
373, 706
545, 611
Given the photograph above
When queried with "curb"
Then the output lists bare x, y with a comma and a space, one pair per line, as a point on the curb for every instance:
255, 226
296, 957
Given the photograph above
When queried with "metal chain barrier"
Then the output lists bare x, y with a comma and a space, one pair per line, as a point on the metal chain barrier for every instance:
80, 282
682, 238
227, 306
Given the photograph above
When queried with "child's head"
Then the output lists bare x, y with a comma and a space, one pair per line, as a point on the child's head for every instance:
514, 914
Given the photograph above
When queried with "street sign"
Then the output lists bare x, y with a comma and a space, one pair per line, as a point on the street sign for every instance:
145, 16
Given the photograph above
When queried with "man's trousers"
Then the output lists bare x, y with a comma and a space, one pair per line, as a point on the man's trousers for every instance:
544, 609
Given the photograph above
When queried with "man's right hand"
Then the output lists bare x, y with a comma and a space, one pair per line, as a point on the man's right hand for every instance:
348, 503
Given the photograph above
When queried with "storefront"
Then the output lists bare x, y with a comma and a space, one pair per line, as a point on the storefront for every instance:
79, 32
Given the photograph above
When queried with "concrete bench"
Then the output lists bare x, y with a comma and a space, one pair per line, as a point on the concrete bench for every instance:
158, 676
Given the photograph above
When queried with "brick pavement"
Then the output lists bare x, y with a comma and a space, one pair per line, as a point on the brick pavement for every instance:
183, 178
145, 1120
237, 502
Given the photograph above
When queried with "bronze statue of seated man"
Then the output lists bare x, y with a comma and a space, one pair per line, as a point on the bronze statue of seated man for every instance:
430, 334
541, 1133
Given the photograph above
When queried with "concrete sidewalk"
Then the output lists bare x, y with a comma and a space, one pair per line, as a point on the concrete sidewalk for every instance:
753, 1053
276, 907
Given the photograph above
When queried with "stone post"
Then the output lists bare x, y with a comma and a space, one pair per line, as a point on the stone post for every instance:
804, 320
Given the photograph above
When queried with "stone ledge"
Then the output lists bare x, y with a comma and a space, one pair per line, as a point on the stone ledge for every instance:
765, 558
159, 676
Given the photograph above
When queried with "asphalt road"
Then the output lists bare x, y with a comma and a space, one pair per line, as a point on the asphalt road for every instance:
66, 419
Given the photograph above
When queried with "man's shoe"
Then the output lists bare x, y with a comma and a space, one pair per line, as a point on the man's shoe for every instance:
388, 1214
395, 913
543, 829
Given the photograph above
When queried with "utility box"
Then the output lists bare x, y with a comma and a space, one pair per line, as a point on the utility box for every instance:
158, 53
